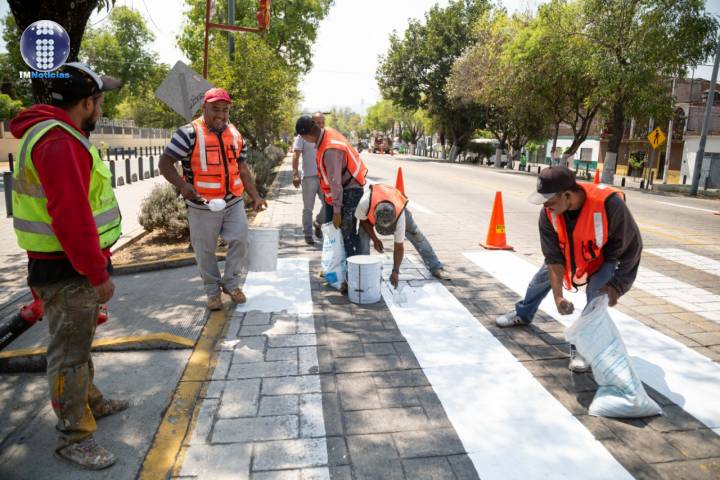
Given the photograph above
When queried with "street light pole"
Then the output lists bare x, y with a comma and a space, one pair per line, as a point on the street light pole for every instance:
700, 155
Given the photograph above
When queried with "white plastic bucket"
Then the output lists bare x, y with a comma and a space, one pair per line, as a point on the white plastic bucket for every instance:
263, 249
364, 277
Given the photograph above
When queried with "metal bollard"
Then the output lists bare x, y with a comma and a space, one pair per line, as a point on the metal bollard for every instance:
112, 174
622, 182
140, 168
128, 171
7, 186
684, 179
538, 170
11, 162
152, 166
642, 184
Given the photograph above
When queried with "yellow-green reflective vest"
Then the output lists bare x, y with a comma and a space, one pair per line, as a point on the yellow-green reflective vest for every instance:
31, 219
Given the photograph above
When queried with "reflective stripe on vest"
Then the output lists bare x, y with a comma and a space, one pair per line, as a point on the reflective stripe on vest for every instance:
385, 193
32, 221
214, 162
588, 237
332, 139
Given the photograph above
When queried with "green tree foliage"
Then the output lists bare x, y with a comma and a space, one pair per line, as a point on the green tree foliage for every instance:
145, 109
347, 122
121, 49
381, 117
413, 73
636, 44
9, 107
11, 63
487, 76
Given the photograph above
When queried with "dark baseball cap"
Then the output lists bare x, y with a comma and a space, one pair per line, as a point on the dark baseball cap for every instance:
385, 219
304, 125
550, 182
75, 81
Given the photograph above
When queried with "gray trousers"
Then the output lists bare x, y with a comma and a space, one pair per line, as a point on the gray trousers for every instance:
205, 227
310, 190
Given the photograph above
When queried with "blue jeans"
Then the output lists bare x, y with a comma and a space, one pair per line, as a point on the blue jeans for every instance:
421, 243
349, 226
540, 286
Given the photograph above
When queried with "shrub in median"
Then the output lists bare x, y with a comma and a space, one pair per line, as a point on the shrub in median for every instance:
165, 211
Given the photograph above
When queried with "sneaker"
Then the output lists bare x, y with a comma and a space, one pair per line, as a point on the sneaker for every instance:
309, 240
578, 364
214, 302
318, 229
510, 319
236, 295
110, 406
440, 274
86, 454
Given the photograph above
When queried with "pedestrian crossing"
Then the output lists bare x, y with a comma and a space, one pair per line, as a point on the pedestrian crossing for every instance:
684, 376
689, 259
679, 293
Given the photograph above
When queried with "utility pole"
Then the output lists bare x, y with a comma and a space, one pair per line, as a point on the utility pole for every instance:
231, 21
669, 136
700, 155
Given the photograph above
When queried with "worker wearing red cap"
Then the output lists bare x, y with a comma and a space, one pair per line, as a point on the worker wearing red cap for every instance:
215, 176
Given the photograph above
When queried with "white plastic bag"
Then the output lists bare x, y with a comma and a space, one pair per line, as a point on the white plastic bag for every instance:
620, 392
334, 265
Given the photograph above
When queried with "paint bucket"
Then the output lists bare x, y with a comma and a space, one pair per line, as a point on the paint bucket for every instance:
364, 277
262, 249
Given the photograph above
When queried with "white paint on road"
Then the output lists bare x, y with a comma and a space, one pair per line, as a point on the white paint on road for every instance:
511, 427
414, 206
687, 206
689, 259
684, 376
684, 295
287, 288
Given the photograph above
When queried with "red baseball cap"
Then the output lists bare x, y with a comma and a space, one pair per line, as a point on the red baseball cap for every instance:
217, 95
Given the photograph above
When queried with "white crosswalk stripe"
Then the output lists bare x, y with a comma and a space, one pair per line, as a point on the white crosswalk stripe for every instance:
679, 373
510, 425
687, 258
686, 296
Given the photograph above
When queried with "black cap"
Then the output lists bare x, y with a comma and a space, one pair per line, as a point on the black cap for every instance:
550, 182
304, 125
75, 81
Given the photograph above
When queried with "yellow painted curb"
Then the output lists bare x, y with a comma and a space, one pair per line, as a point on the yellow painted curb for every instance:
178, 419
108, 343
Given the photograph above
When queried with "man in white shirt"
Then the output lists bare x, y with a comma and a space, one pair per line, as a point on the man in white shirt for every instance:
382, 208
310, 182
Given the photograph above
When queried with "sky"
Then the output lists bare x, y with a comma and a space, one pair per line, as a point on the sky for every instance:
345, 54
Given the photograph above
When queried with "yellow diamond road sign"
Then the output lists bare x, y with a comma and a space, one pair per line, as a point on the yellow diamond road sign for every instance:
656, 138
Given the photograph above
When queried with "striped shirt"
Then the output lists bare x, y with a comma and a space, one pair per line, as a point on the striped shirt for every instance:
181, 146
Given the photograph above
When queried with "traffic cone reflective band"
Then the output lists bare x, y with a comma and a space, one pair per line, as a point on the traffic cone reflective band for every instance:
399, 182
496, 231
596, 180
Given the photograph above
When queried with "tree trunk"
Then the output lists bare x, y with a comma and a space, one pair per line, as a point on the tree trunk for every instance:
618, 125
72, 15
554, 142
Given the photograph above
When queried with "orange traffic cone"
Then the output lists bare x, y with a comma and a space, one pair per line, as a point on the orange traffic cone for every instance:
496, 231
399, 182
596, 180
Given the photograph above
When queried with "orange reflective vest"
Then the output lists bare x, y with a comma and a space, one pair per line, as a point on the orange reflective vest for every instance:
214, 161
332, 139
386, 193
588, 237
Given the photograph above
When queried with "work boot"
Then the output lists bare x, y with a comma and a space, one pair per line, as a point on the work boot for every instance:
309, 240
109, 406
86, 454
578, 364
214, 302
236, 295
318, 230
440, 274
510, 319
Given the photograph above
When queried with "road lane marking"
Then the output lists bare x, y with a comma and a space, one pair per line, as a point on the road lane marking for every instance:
687, 206
687, 258
679, 373
510, 425
414, 206
684, 295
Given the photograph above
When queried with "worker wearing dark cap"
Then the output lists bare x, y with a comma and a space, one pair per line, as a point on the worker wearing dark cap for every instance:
342, 177
588, 237
67, 218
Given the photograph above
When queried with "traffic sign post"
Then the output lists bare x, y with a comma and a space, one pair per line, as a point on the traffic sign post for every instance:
183, 90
